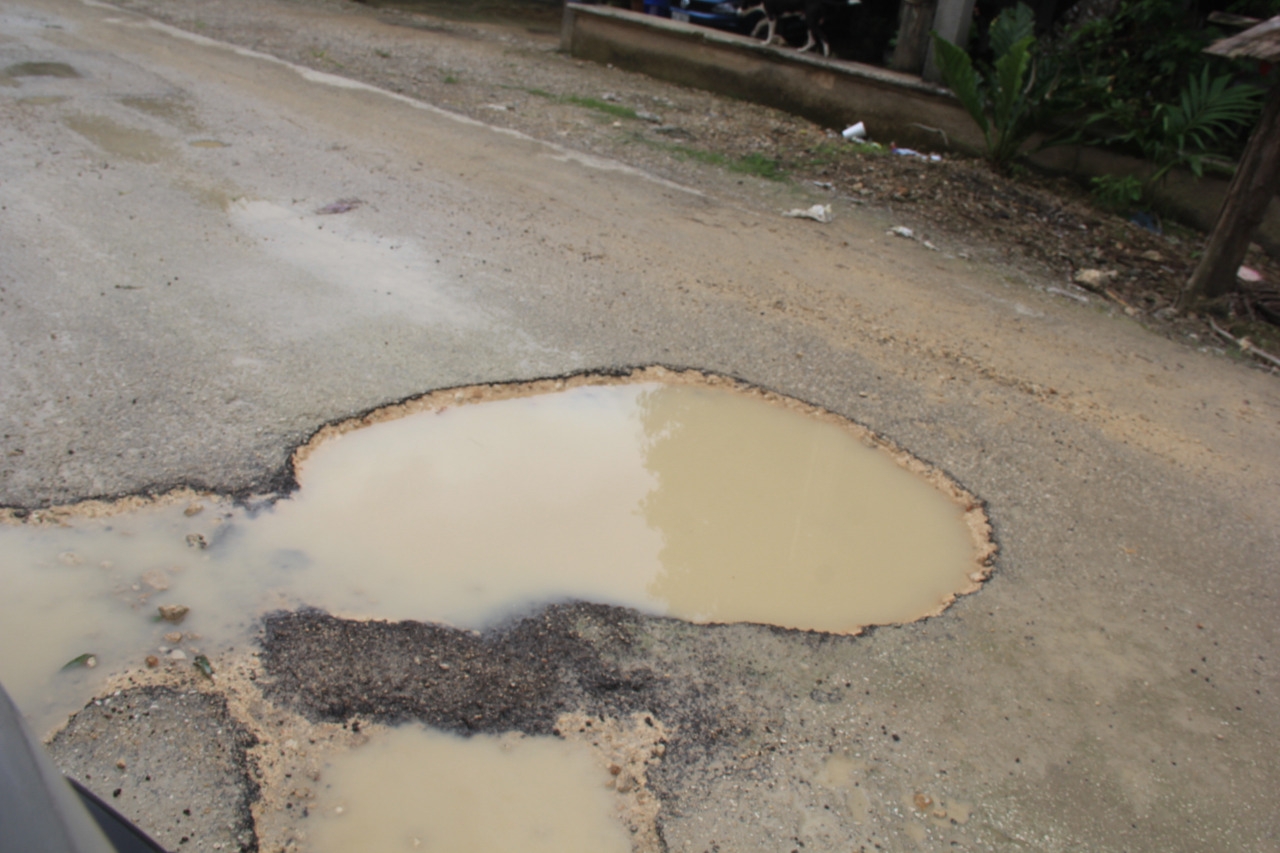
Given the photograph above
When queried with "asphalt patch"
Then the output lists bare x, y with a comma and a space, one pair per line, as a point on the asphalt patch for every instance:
518, 677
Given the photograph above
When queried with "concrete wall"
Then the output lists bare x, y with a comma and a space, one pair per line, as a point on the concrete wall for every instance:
836, 93
830, 92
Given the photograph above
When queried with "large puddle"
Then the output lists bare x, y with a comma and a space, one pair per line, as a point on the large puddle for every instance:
692, 500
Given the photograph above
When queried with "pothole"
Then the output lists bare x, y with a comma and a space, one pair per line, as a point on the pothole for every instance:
500, 792
674, 494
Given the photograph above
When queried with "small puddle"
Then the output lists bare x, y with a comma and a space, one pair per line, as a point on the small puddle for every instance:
416, 789
693, 499
121, 140
41, 69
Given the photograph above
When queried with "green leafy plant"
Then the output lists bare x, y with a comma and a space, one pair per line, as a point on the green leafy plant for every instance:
1117, 192
1138, 54
1183, 133
1010, 99
1117, 67
1010, 27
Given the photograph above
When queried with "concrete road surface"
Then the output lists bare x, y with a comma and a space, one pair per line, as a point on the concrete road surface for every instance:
177, 310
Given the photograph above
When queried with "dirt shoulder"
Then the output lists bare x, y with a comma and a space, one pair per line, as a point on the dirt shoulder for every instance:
499, 63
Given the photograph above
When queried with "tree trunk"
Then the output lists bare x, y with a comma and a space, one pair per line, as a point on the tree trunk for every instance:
1251, 190
915, 19
951, 21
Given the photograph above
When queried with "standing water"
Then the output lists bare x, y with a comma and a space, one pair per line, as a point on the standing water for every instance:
499, 793
698, 502
694, 500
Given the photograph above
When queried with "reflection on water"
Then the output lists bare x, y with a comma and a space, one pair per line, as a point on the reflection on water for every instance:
691, 501
417, 789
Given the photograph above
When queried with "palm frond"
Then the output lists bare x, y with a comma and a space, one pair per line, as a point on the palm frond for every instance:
1209, 108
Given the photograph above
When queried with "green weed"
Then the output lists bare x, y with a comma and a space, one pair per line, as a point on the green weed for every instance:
1117, 193
760, 166
752, 164
615, 110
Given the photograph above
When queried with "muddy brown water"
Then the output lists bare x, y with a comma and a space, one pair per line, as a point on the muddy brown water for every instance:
703, 501
507, 792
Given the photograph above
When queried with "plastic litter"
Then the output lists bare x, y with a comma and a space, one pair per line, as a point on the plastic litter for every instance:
911, 152
1248, 274
818, 213
1146, 220
902, 231
858, 133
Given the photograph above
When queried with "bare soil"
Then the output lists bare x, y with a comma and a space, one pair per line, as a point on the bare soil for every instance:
499, 61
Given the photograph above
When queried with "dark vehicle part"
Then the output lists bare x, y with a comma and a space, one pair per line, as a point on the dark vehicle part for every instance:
720, 14
40, 811
122, 834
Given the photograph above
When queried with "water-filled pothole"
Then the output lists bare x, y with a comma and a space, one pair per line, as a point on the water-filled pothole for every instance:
674, 494
501, 792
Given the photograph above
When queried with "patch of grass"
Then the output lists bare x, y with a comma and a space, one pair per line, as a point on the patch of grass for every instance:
752, 164
759, 165
615, 110
826, 153
450, 79
684, 152
385, 54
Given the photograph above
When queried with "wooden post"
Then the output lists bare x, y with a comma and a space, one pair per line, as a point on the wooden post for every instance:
952, 23
915, 19
1252, 188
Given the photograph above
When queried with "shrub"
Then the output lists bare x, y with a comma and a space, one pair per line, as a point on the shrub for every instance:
1009, 99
